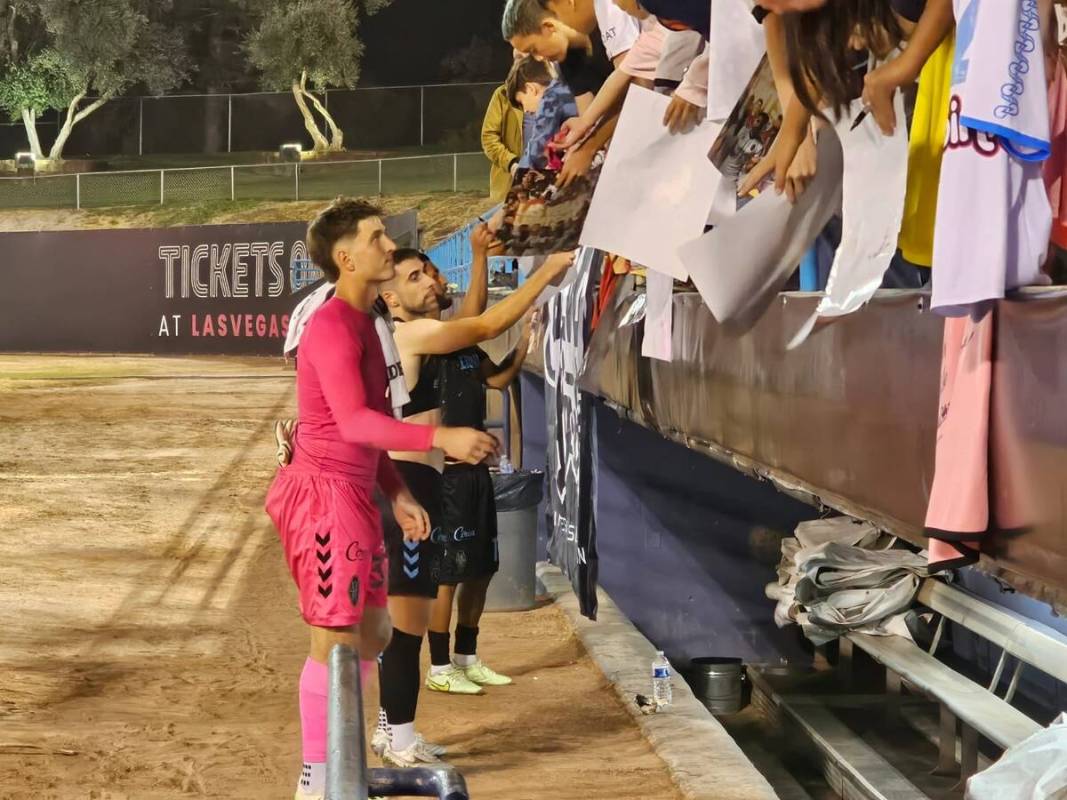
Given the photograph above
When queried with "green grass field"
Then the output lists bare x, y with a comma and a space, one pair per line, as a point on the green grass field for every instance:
249, 182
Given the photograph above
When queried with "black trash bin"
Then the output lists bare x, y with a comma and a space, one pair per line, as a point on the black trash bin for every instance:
518, 496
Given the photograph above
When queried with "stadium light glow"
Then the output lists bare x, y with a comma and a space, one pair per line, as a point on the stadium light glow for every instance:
291, 151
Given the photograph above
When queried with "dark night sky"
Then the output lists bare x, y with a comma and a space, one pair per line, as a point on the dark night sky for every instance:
406, 42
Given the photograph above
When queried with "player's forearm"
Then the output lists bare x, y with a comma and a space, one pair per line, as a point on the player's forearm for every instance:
508, 311
510, 367
389, 480
474, 301
370, 428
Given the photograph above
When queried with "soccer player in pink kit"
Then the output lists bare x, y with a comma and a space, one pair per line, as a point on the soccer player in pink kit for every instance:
322, 502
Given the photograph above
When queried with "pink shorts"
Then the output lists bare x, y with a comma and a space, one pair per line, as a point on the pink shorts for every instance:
331, 533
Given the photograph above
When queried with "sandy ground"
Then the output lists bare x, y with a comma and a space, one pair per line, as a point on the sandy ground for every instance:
150, 642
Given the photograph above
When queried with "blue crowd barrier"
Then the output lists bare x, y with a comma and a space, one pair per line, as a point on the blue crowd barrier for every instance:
453, 256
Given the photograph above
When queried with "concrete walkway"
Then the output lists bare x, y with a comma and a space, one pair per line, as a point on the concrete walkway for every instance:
704, 760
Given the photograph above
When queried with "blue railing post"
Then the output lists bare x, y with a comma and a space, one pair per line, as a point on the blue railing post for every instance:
809, 271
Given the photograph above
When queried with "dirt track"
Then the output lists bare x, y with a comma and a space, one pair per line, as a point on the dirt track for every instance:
149, 639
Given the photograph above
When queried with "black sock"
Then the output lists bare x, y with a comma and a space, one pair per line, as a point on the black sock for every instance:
400, 677
439, 656
466, 640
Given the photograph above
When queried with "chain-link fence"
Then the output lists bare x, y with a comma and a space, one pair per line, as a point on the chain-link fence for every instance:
456, 172
445, 116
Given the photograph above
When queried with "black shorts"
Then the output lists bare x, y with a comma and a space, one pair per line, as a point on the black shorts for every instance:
468, 538
414, 567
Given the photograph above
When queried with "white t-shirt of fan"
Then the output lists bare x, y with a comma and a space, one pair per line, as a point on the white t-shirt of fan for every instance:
618, 29
993, 216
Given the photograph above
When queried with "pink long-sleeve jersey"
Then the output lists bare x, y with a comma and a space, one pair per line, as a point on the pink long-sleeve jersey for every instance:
346, 422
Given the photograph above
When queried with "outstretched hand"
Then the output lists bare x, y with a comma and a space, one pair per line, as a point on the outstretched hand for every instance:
879, 86
681, 115
571, 133
482, 240
792, 162
575, 166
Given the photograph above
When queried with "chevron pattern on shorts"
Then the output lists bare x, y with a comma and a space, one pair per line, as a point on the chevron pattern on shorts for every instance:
411, 560
324, 554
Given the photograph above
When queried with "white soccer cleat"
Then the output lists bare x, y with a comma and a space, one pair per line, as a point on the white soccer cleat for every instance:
435, 750
379, 741
480, 675
415, 756
452, 681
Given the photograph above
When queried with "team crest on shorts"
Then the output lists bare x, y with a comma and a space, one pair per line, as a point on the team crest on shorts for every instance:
353, 591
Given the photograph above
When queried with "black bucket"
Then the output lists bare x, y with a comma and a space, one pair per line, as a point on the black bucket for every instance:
716, 682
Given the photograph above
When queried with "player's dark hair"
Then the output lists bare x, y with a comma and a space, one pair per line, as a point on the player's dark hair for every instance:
406, 254
339, 219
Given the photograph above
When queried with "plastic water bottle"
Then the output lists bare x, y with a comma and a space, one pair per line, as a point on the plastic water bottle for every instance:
505, 466
661, 680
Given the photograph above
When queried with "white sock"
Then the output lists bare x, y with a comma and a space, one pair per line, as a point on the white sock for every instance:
464, 661
438, 669
402, 736
312, 779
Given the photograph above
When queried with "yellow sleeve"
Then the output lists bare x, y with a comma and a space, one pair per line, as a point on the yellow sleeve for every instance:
493, 132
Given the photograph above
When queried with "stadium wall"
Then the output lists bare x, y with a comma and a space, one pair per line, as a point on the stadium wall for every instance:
686, 544
197, 290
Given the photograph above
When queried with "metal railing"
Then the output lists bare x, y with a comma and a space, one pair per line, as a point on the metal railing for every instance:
347, 775
309, 180
453, 256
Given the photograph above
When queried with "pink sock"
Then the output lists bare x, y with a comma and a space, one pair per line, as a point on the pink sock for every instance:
314, 688
367, 670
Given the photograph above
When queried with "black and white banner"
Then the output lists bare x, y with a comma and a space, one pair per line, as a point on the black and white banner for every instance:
204, 289
571, 452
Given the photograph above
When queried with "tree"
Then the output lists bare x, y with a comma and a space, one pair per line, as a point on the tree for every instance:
478, 60
307, 45
31, 88
81, 48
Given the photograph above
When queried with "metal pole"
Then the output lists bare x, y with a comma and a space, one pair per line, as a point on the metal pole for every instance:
379, 177
161, 184
444, 784
422, 116
506, 408
78, 190
296, 174
229, 125
233, 184
455, 172
346, 748
140, 128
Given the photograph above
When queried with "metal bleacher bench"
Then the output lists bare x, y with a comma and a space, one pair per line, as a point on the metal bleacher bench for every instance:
978, 709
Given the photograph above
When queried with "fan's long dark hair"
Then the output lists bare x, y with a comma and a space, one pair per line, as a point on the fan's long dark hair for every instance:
821, 62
